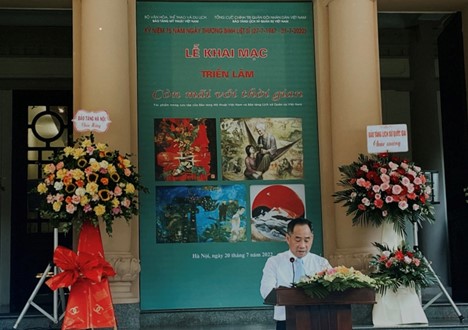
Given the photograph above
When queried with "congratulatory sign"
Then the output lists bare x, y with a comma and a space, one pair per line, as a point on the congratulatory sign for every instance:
228, 146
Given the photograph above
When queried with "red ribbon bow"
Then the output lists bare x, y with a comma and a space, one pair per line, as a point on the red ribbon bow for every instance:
92, 267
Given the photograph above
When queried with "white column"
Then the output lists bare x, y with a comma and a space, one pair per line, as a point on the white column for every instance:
348, 100
103, 77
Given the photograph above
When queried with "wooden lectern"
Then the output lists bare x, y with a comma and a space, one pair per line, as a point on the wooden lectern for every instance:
333, 312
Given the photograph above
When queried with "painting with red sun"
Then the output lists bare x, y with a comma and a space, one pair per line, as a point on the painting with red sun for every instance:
272, 207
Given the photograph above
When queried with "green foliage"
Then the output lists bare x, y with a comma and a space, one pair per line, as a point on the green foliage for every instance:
88, 182
384, 188
392, 269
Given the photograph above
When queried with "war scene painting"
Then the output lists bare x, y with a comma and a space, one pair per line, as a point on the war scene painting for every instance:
185, 149
201, 214
273, 206
261, 148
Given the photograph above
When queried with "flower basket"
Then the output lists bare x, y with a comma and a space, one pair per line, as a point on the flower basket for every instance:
88, 181
384, 188
400, 267
337, 279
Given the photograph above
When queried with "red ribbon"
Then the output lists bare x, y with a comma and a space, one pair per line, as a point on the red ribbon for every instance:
86, 266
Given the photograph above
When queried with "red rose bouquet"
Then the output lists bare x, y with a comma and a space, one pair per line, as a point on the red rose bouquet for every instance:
384, 188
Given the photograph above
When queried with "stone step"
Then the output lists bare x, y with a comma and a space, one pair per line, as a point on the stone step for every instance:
440, 316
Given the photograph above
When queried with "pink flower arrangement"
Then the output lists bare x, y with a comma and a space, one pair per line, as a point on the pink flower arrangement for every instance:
392, 268
88, 182
384, 188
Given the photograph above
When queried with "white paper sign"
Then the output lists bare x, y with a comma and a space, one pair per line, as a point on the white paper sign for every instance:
387, 138
91, 121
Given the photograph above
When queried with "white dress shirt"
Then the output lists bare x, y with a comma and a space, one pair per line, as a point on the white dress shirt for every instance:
278, 271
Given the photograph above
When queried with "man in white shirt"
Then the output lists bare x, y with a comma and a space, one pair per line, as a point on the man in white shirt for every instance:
281, 270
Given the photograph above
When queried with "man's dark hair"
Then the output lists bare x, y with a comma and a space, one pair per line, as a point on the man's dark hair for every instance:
299, 221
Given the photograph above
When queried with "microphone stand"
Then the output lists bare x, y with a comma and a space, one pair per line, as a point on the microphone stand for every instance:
291, 260
54, 318
441, 286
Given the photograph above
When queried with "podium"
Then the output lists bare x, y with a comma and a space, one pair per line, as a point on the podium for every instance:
332, 312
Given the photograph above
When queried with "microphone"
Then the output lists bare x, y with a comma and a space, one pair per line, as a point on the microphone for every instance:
291, 260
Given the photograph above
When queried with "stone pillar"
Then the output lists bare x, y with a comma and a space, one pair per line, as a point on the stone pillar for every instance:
348, 101
104, 73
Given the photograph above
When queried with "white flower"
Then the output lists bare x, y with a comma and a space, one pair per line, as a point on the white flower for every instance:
104, 164
80, 191
58, 185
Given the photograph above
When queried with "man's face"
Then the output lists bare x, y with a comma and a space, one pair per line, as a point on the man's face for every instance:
300, 240
260, 131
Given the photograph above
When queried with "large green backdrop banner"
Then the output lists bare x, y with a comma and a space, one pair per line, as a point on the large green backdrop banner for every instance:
227, 145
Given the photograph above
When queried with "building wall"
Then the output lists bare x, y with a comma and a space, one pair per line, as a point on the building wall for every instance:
104, 77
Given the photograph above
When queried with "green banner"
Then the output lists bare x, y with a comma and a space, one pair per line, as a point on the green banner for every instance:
227, 145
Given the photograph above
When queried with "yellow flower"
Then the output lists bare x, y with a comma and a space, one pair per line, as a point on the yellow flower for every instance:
92, 188
77, 174
130, 188
61, 173
115, 202
101, 146
41, 188
127, 163
68, 151
111, 169
49, 168
95, 166
84, 200
99, 209
56, 206
78, 153
86, 143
